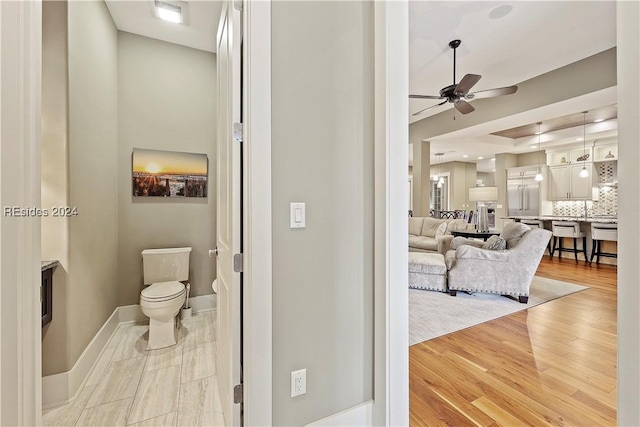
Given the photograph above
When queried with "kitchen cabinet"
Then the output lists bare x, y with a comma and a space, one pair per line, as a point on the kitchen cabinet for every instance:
605, 153
568, 156
522, 172
565, 182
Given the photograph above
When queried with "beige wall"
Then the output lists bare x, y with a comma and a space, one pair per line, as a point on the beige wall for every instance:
488, 178
55, 178
534, 158
421, 173
322, 154
461, 175
93, 119
167, 101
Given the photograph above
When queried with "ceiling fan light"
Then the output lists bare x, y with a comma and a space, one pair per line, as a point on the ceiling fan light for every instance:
539, 177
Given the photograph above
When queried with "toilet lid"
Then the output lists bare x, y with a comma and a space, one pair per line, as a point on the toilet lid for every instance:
162, 291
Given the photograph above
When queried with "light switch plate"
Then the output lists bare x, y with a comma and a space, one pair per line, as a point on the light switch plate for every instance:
297, 215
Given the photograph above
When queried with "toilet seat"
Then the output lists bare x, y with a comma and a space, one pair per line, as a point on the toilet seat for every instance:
163, 291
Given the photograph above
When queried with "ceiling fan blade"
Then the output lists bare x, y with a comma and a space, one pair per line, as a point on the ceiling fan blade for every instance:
463, 106
490, 93
432, 106
467, 82
425, 97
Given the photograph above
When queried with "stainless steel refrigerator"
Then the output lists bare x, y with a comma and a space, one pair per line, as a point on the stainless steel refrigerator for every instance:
523, 197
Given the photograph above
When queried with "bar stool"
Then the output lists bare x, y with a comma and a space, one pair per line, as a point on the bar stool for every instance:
599, 232
536, 223
571, 229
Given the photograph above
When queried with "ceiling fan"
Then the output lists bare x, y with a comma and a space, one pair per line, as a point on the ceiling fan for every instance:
458, 93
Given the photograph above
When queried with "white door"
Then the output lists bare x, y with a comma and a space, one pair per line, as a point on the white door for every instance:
228, 355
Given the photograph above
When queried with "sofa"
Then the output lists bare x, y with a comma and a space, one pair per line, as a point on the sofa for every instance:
428, 234
473, 268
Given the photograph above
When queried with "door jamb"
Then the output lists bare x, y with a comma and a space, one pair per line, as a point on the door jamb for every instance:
391, 321
257, 301
20, 325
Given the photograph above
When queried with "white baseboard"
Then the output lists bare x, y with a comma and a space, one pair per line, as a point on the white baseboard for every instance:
360, 415
59, 389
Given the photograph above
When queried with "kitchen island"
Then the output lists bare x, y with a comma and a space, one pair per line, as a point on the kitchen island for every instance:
604, 219
585, 225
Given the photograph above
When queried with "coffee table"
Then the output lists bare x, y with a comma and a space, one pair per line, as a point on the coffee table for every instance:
473, 234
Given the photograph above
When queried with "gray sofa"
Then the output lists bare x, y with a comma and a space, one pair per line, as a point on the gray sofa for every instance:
506, 272
428, 234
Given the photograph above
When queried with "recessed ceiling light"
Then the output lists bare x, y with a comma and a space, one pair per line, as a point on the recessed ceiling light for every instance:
171, 10
464, 156
480, 158
493, 159
534, 146
598, 120
538, 132
493, 170
579, 139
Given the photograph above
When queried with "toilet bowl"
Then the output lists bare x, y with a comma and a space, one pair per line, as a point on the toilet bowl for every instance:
161, 302
165, 270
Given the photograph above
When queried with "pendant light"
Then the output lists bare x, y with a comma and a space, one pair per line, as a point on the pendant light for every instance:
584, 173
539, 176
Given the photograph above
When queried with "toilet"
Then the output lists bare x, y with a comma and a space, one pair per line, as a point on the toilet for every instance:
161, 300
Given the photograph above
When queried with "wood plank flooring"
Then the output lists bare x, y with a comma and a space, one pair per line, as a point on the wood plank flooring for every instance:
553, 364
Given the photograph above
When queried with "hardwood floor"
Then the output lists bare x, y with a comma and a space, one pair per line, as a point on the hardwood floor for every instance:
553, 364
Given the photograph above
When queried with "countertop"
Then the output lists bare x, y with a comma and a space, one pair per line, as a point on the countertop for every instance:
50, 263
607, 220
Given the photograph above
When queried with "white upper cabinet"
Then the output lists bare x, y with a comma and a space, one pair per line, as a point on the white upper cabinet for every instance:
565, 182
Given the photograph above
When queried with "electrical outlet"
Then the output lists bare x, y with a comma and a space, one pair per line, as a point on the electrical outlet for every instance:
298, 382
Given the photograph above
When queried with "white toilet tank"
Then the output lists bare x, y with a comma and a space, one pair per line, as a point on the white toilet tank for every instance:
164, 265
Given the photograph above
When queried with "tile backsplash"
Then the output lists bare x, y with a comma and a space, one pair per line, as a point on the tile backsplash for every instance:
607, 203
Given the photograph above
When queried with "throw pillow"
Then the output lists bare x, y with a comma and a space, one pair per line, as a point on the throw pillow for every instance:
495, 243
513, 232
441, 230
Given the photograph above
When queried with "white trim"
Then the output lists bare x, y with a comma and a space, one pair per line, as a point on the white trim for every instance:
391, 350
133, 313
20, 272
59, 389
257, 284
360, 415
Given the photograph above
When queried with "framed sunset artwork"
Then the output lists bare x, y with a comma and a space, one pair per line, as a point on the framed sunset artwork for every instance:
159, 173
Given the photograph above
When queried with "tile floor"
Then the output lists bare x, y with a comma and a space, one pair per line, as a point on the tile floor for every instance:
130, 386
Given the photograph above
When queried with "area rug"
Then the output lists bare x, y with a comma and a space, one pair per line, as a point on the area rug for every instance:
432, 314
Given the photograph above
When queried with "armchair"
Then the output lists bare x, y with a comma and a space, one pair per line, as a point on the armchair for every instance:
507, 272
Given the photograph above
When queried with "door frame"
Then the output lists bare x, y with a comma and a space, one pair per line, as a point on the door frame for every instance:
390, 405
20, 346
257, 237
20, 273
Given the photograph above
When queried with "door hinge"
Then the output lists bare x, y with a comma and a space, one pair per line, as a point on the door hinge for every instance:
237, 263
238, 395
238, 130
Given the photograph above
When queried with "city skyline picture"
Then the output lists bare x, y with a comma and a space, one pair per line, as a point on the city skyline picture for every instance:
158, 173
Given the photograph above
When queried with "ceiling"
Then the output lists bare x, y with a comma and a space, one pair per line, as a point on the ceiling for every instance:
507, 43
199, 32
